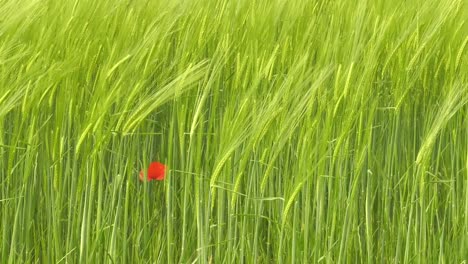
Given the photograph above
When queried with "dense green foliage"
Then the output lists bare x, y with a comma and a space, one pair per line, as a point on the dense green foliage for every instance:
295, 131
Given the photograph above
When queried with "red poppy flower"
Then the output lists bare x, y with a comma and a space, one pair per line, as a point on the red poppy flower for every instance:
156, 171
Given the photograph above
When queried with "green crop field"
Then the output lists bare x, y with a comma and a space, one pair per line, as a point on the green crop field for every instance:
292, 131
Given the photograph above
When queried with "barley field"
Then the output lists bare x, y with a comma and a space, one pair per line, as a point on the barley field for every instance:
280, 131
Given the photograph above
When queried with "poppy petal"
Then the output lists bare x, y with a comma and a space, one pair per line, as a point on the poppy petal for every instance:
156, 171
142, 176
